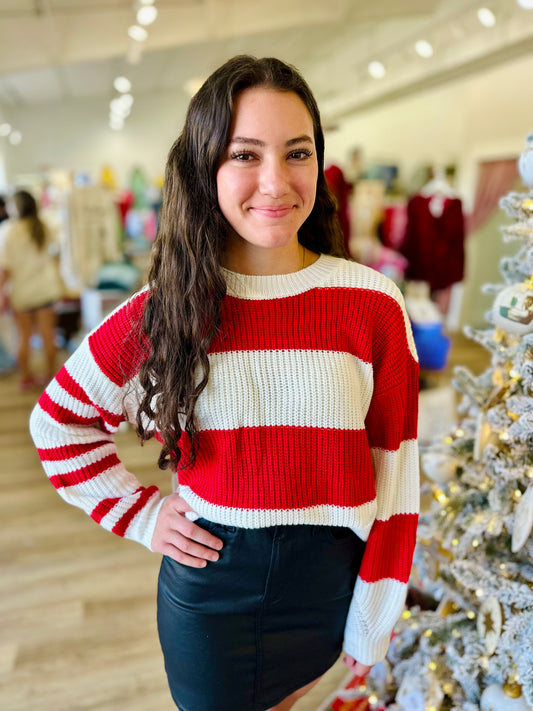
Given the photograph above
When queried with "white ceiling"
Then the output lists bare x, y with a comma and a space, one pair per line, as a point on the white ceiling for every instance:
60, 50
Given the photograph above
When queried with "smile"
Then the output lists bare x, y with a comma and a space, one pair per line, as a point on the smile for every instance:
272, 212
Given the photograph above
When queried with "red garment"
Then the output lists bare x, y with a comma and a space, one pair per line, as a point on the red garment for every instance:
341, 189
434, 245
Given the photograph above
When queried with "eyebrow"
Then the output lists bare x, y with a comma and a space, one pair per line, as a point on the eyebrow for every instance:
257, 142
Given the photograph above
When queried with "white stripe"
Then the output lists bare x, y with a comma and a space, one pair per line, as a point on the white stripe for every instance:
358, 518
65, 466
298, 388
397, 480
374, 610
48, 433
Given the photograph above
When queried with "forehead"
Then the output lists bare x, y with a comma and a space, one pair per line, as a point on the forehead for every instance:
264, 108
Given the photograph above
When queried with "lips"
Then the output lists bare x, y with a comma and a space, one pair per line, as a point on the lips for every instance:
272, 211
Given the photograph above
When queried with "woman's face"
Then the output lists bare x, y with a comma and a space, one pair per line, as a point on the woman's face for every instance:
267, 178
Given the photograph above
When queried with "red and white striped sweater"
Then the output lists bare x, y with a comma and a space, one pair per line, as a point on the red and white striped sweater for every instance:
309, 417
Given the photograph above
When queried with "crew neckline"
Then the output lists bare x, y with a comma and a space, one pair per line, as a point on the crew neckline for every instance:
278, 286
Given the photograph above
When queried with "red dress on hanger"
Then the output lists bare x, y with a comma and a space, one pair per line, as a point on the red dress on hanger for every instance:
434, 243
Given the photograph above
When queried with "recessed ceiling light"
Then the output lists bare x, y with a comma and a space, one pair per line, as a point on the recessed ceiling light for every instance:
526, 4
5, 129
146, 14
137, 33
486, 17
424, 49
377, 70
122, 84
15, 137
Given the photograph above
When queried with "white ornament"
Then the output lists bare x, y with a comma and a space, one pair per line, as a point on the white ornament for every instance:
513, 309
523, 520
489, 624
438, 466
525, 162
494, 698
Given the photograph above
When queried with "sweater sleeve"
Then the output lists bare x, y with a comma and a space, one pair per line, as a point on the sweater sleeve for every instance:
391, 426
76, 417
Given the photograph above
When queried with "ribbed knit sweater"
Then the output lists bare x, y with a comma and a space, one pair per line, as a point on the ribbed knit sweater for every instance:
309, 417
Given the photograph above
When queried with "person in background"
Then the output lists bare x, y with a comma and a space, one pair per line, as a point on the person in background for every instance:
281, 380
3, 210
30, 284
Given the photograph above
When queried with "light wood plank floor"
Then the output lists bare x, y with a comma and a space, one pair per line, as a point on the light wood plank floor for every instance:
77, 604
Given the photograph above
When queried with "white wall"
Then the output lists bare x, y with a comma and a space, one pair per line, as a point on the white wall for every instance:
75, 136
483, 116
480, 117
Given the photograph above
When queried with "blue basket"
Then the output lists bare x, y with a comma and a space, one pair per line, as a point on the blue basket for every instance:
431, 344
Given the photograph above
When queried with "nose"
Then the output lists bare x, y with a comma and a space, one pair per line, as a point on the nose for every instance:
274, 178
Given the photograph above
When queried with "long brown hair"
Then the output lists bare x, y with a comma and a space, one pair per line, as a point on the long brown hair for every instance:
186, 282
27, 210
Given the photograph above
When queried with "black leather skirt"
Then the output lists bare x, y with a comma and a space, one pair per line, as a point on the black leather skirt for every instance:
264, 620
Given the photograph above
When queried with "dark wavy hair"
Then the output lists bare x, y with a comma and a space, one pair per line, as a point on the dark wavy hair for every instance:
186, 282
26, 207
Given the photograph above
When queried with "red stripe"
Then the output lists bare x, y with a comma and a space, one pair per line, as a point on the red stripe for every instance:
79, 476
72, 387
105, 506
65, 416
393, 416
389, 549
115, 345
122, 524
319, 319
69, 451
281, 467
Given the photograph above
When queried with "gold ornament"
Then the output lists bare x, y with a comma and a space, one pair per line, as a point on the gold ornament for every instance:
527, 204
512, 690
435, 555
447, 607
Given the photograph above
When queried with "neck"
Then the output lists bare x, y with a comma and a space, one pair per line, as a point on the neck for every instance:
264, 261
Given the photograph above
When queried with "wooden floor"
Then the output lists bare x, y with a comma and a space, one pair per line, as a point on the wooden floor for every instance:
77, 604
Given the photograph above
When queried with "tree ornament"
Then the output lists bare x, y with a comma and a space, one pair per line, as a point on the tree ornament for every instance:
436, 555
513, 309
525, 162
447, 607
523, 520
484, 435
489, 624
438, 466
497, 698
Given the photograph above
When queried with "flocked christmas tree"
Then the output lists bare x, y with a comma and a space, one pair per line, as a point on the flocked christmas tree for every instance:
474, 556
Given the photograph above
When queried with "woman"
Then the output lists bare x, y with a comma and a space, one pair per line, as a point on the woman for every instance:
281, 382
29, 265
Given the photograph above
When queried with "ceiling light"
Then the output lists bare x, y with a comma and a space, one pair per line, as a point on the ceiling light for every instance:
5, 129
137, 33
526, 4
486, 17
146, 2
15, 137
116, 124
146, 14
376, 70
424, 49
122, 84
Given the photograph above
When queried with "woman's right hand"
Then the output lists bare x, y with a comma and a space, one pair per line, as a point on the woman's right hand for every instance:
177, 537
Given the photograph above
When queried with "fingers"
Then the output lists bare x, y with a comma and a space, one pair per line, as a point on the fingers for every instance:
181, 539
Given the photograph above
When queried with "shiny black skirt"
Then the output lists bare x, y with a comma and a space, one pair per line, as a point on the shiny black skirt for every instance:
264, 620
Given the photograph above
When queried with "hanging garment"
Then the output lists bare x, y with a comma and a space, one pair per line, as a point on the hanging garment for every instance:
434, 240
